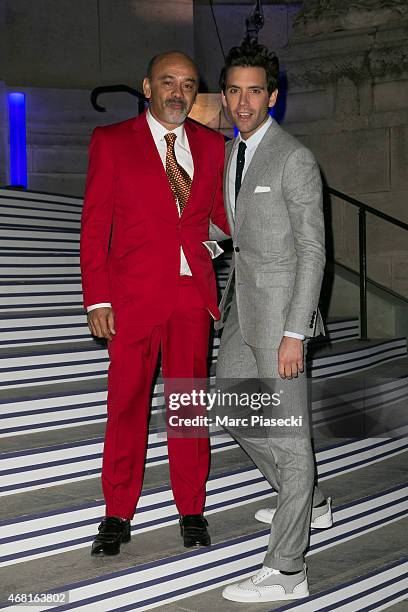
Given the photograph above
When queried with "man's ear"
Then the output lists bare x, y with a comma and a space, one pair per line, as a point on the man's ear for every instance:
223, 99
146, 88
273, 98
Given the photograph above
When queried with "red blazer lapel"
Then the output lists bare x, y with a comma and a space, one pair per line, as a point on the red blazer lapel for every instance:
196, 152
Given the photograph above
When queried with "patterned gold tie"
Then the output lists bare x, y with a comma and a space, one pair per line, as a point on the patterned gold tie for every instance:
180, 181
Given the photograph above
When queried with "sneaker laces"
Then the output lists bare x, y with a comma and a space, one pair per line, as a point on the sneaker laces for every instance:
264, 572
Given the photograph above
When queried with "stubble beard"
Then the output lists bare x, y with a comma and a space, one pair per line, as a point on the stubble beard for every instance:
174, 115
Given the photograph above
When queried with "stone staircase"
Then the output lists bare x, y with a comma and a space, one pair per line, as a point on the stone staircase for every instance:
52, 415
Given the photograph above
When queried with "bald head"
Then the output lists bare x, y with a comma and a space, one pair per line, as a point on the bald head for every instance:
172, 55
171, 87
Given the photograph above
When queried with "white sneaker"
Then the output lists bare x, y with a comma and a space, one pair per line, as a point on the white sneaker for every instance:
268, 585
322, 517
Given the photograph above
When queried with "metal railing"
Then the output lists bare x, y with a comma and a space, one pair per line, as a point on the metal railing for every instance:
363, 209
114, 88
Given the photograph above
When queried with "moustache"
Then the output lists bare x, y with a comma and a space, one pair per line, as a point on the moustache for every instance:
175, 101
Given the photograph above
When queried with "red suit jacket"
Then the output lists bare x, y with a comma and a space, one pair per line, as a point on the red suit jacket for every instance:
131, 230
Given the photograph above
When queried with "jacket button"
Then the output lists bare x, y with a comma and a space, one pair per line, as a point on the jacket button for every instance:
236, 249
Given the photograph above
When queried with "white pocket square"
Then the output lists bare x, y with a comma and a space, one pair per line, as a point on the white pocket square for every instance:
261, 189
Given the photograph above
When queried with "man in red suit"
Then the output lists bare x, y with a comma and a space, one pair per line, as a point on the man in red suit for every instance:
154, 188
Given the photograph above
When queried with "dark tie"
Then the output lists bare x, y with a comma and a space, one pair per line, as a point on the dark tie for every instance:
240, 167
180, 181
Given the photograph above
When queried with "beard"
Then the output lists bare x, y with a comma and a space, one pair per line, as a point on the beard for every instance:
176, 115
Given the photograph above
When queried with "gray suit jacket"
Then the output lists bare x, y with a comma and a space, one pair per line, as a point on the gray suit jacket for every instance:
278, 239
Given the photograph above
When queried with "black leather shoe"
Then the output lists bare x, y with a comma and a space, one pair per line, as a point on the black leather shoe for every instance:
111, 533
193, 529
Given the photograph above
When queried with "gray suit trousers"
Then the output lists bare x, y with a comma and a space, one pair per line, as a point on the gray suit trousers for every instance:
286, 461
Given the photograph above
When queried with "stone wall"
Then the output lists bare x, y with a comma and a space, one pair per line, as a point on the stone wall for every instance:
347, 99
80, 44
84, 43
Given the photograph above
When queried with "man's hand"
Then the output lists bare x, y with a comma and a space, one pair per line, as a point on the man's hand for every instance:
101, 322
290, 357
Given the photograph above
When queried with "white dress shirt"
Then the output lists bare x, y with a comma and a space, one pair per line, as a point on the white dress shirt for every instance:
185, 159
251, 145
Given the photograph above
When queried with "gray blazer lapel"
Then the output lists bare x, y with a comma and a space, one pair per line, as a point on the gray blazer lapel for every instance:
227, 203
260, 163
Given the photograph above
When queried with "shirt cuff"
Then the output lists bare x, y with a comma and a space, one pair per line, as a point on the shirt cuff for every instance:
213, 247
293, 335
101, 305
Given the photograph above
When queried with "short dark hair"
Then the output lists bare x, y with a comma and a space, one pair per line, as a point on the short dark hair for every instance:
252, 55
160, 56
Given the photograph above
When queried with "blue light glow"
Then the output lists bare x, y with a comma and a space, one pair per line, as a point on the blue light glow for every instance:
17, 139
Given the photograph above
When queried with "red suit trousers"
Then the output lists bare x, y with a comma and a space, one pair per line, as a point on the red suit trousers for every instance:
134, 350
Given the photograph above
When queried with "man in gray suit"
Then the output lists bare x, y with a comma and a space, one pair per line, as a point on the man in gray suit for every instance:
273, 199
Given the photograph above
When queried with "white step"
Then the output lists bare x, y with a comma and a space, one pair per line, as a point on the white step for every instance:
341, 360
32, 199
19, 328
15, 218
37, 365
378, 590
33, 265
65, 407
27, 537
28, 366
39, 239
17, 214
33, 295
20, 295
43, 467
340, 329
34, 536
184, 575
